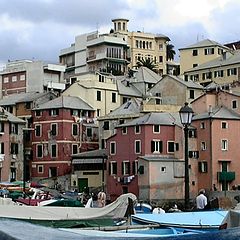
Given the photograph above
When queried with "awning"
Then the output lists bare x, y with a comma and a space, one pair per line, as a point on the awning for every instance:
87, 160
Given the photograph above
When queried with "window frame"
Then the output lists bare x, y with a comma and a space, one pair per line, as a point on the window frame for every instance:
113, 147
224, 144
137, 146
38, 146
56, 150
38, 126
159, 128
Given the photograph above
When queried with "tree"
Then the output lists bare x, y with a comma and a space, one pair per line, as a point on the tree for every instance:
147, 63
170, 52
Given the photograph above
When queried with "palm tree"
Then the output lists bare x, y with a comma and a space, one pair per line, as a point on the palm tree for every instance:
147, 63
170, 52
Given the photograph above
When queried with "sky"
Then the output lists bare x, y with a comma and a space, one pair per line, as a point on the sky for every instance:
39, 29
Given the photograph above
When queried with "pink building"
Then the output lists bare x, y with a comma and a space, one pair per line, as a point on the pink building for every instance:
218, 123
63, 126
146, 158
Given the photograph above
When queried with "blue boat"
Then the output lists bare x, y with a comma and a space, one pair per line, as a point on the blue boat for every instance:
200, 220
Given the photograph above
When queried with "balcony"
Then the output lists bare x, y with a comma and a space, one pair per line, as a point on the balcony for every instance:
226, 176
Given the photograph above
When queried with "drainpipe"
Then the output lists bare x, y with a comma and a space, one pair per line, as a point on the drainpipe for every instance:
211, 152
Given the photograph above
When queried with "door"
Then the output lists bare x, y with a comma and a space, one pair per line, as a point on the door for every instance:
82, 184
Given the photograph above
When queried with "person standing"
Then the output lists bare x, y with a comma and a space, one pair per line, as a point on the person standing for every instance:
201, 200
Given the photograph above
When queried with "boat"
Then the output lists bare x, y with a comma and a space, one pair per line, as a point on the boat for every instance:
199, 220
143, 208
71, 216
19, 230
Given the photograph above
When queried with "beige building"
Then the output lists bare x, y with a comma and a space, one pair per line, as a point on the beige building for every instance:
200, 53
98, 90
222, 70
144, 45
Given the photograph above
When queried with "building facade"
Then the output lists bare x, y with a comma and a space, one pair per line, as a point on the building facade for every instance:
144, 45
31, 76
63, 126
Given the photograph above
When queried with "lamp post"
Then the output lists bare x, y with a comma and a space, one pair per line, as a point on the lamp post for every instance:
186, 114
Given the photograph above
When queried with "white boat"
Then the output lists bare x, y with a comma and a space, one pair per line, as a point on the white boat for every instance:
71, 216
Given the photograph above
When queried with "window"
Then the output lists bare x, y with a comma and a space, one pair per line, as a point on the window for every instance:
125, 167
54, 150
5, 80
106, 125
202, 125
14, 128
202, 167
14, 78
209, 51
54, 112
74, 112
163, 169
89, 132
38, 130
137, 44
39, 151
160, 46
2, 148
193, 154
54, 129
40, 168
191, 94
224, 125
176, 146
112, 148
22, 77
74, 149
232, 71
160, 59
137, 129
98, 112
38, 113
158, 101
192, 133
195, 65
137, 146
234, 104
99, 96
124, 130
171, 147
203, 146
156, 146
207, 75
113, 168
156, 128
218, 73
114, 97
1, 127
14, 148
195, 52
75, 129
220, 51
224, 144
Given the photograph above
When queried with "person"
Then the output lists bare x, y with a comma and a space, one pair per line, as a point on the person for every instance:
214, 187
201, 200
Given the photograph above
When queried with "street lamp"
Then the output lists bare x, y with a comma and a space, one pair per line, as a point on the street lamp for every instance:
186, 114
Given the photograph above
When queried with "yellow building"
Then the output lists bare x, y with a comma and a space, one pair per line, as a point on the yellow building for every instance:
222, 70
197, 54
143, 45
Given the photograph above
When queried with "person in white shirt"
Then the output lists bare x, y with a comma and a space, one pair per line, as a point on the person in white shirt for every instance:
201, 200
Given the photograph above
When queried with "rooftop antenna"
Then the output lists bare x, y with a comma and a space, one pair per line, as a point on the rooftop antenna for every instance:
97, 26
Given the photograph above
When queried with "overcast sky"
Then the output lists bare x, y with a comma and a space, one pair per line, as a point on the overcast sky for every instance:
39, 29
